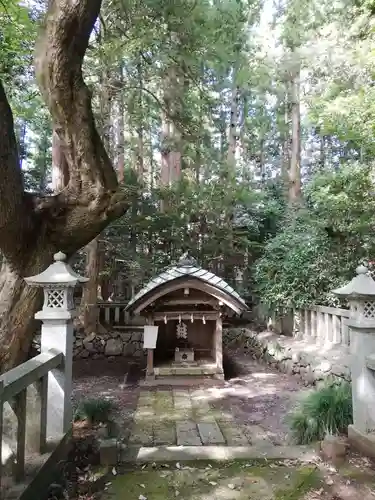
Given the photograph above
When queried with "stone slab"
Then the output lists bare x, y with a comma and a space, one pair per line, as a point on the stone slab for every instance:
256, 435
234, 435
144, 413
187, 433
164, 434
146, 398
210, 433
141, 435
365, 443
190, 453
180, 393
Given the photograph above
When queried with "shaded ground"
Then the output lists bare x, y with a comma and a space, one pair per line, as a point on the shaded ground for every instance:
258, 396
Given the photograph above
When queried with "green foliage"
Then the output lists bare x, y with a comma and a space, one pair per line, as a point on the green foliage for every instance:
95, 411
325, 410
321, 245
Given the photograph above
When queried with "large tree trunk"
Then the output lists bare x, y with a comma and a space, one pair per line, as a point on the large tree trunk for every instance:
60, 168
33, 227
89, 303
295, 157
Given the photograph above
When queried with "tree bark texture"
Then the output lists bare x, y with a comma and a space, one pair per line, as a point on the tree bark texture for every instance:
295, 154
33, 227
89, 307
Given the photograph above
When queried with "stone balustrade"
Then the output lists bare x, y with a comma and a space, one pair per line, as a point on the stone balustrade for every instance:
23, 412
114, 314
320, 324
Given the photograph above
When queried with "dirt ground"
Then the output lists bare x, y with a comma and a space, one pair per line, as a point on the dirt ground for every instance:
254, 394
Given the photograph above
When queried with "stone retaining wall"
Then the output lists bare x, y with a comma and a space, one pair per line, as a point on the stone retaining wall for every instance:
97, 346
307, 360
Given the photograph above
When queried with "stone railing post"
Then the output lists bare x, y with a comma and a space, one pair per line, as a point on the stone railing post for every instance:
360, 294
58, 282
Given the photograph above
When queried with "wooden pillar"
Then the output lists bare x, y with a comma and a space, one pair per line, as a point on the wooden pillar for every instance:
219, 343
150, 362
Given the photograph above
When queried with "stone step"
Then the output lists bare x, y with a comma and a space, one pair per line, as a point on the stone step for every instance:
189, 453
174, 381
192, 371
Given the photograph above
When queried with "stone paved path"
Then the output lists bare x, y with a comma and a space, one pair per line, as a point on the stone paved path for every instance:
184, 417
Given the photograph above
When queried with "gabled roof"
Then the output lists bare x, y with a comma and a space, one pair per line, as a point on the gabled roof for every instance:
187, 268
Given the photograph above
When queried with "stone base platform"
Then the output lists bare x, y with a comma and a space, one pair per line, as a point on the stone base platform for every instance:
197, 369
364, 443
215, 453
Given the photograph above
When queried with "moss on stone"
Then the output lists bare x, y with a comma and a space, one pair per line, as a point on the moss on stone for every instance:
240, 480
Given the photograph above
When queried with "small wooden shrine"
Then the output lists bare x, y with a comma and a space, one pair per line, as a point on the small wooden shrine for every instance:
188, 305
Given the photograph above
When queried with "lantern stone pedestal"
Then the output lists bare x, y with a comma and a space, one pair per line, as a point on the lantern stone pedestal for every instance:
360, 293
58, 282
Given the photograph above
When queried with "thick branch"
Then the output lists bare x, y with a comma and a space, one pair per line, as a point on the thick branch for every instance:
14, 219
59, 60
11, 188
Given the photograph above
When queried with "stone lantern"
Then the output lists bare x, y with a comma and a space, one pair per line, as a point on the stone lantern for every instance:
58, 282
360, 294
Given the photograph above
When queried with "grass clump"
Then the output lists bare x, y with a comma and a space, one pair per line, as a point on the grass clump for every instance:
95, 411
325, 410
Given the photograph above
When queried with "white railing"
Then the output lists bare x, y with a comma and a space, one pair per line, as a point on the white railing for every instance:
324, 324
27, 415
113, 313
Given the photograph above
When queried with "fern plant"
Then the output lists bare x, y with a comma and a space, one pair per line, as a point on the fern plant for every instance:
325, 410
95, 411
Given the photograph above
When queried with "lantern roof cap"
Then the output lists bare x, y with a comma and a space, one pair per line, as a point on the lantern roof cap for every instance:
362, 285
57, 274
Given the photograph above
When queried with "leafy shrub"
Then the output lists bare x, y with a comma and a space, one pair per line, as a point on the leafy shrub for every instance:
326, 410
94, 410
321, 244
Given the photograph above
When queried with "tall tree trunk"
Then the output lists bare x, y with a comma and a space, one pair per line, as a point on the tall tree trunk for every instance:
89, 303
285, 132
89, 306
140, 148
121, 130
60, 168
233, 126
33, 227
295, 158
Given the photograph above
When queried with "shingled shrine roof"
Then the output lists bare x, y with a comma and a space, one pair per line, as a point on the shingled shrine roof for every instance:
187, 267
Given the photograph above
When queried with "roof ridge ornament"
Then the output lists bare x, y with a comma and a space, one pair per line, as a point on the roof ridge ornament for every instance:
186, 261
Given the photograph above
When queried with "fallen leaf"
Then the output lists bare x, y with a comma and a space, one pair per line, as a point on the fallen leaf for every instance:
114, 471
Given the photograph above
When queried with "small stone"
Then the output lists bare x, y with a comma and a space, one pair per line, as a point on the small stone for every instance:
333, 448
129, 349
89, 338
113, 347
296, 356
